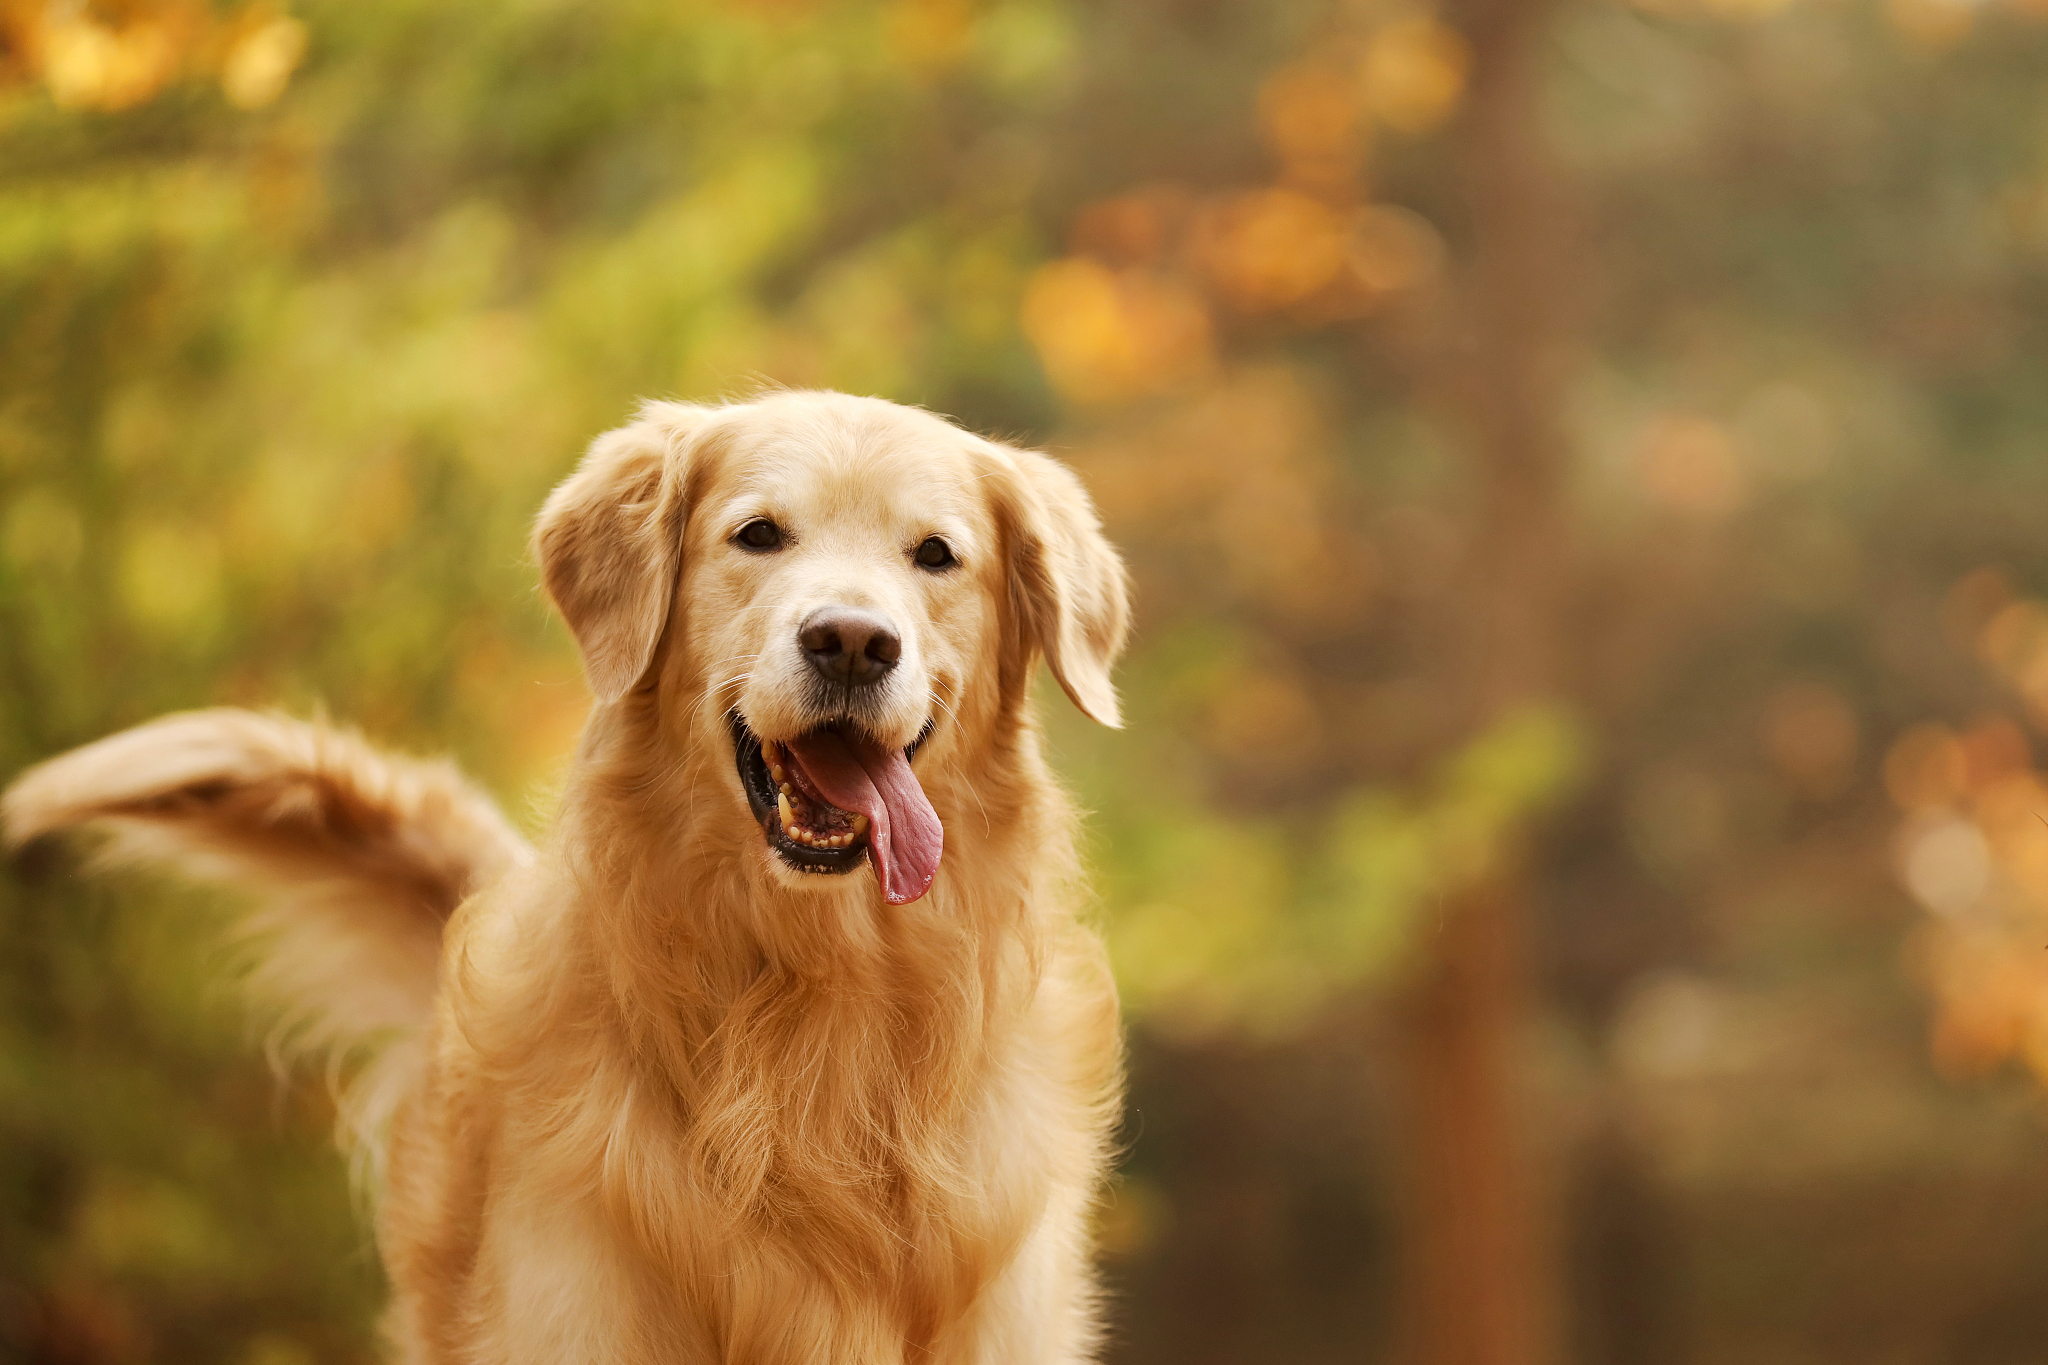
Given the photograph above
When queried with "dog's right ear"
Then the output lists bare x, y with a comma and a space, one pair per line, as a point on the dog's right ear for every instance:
609, 541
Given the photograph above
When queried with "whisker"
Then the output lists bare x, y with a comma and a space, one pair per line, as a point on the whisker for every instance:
711, 692
713, 689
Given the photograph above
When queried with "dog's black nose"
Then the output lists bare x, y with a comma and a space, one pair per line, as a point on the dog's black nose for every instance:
850, 646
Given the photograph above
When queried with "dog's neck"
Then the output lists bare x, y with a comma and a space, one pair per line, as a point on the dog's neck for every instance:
685, 908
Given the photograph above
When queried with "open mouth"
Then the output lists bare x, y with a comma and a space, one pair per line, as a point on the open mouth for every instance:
832, 798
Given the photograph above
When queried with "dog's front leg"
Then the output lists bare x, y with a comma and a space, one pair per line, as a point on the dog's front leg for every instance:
1041, 1308
554, 1286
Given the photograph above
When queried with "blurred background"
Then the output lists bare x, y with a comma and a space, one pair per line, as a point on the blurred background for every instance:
1575, 863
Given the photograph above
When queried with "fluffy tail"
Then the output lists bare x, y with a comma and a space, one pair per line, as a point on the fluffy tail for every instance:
356, 858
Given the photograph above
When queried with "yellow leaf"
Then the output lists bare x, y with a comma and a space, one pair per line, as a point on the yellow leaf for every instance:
1105, 335
261, 62
1414, 73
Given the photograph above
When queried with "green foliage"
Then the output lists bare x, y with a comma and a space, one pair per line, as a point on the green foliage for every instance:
1223, 923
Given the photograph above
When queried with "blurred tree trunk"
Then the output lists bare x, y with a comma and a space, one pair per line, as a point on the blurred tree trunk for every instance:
1479, 1287
1482, 1282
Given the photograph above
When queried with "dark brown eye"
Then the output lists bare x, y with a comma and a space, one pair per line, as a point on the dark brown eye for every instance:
935, 554
759, 534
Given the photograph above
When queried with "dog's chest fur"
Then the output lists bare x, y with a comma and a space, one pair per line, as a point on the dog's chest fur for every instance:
868, 1135
842, 1117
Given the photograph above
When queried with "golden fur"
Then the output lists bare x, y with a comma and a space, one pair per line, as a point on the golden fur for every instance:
651, 1094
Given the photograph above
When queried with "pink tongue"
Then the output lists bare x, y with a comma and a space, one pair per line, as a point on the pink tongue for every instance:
856, 774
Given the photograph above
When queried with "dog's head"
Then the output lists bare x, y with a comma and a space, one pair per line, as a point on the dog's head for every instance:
845, 592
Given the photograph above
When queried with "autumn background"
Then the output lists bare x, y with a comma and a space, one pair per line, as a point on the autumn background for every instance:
1574, 864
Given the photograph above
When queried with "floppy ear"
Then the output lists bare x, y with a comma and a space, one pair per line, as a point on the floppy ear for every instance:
609, 541
1068, 590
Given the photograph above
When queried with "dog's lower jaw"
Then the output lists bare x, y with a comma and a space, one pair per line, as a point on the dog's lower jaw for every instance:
759, 789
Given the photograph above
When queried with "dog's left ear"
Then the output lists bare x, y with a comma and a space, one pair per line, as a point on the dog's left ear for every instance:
609, 541
1069, 594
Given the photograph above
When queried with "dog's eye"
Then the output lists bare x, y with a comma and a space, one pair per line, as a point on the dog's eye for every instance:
935, 554
759, 534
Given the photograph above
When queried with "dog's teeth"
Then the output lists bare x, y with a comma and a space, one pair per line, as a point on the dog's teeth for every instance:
780, 775
810, 838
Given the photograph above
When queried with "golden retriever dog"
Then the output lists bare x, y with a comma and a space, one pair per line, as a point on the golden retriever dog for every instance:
787, 1044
